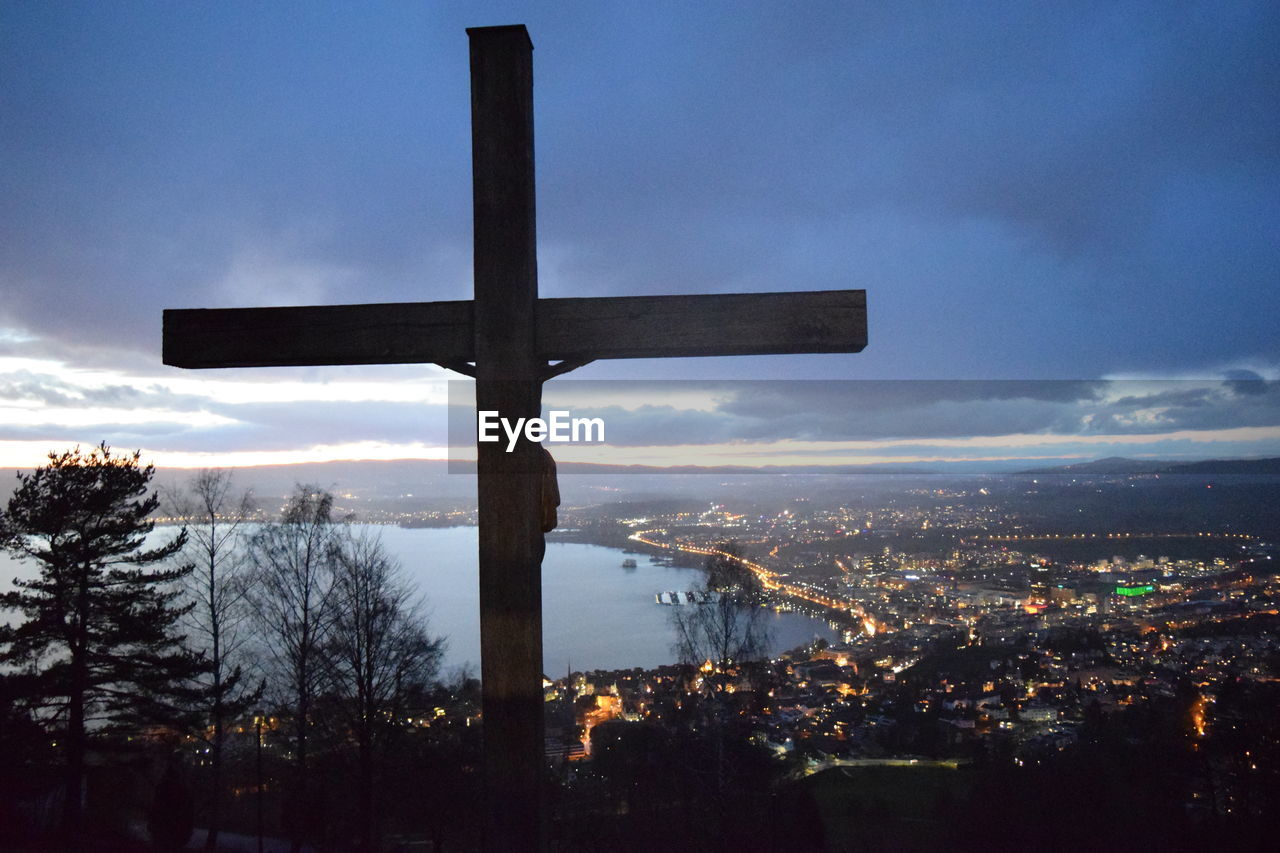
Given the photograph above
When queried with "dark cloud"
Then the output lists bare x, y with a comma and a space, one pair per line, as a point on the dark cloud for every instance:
1156, 407
766, 399
748, 411
54, 392
1025, 190
1247, 382
753, 414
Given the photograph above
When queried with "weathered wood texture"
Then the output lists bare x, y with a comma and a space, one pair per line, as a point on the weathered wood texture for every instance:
407, 333
590, 328
508, 380
716, 324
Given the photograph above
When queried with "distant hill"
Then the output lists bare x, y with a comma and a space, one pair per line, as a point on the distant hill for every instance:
1253, 467
1110, 465
412, 476
362, 479
1119, 465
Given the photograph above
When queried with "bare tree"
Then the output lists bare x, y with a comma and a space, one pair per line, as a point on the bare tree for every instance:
292, 597
727, 626
720, 637
215, 516
377, 653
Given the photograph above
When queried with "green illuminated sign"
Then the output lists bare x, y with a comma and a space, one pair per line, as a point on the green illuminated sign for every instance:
1135, 590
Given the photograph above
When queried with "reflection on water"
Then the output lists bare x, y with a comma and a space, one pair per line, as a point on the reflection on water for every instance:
596, 614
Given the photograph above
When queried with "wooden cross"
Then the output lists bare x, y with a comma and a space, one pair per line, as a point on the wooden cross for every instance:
511, 341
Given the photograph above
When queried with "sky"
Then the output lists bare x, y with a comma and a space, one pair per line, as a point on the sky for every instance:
1032, 193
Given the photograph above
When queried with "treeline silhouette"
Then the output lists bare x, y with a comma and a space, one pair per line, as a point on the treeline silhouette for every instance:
263, 676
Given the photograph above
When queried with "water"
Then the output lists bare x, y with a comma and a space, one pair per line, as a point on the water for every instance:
596, 614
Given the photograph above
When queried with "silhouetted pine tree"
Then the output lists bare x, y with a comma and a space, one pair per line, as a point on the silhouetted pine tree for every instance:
97, 640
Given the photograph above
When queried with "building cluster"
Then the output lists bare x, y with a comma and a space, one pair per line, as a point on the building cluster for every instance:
1009, 684
993, 644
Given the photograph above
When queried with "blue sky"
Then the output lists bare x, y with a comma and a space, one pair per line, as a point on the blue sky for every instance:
1026, 191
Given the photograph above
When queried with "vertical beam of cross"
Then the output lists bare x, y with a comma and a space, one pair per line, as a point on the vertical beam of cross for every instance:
508, 380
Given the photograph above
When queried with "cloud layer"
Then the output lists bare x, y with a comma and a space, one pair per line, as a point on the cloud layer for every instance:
1026, 191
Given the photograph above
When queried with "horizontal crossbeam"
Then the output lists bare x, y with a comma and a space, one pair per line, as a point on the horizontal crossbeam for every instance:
568, 330
716, 324
390, 333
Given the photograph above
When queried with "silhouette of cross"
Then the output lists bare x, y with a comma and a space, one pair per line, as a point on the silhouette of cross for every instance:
511, 341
